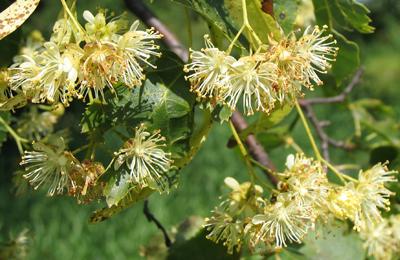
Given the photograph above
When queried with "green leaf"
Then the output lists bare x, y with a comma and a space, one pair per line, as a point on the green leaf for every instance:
356, 14
375, 122
266, 122
132, 198
326, 12
155, 103
115, 191
214, 12
331, 242
285, 12
263, 24
171, 114
346, 14
347, 60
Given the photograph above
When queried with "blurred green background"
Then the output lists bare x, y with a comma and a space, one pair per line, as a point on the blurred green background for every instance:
59, 228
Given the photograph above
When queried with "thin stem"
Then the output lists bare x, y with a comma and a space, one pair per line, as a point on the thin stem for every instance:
73, 18
341, 176
260, 165
246, 25
80, 149
109, 165
290, 141
308, 131
245, 17
243, 151
229, 50
19, 140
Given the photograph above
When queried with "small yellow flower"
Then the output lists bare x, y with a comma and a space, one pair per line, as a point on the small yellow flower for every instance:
100, 69
136, 48
306, 181
251, 80
379, 240
283, 221
145, 161
209, 68
99, 29
316, 53
362, 201
49, 165
229, 219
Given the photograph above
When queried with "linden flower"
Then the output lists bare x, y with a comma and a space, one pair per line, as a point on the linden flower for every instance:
24, 74
379, 241
283, 221
146, 162
34, 125
252, 80
361, 201
85, 185
307, 182
242, 196
283, 55
48, 75
230, 217
58, 73
98, 28
395, 222
49, 166
316, 53
375, 195
209, 68
225, 228
100, 69
344, 202
137, 46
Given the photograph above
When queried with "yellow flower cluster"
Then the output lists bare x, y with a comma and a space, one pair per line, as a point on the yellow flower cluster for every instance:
304, 197
144, 161
141, 161
382, 240
275, 73
79, 61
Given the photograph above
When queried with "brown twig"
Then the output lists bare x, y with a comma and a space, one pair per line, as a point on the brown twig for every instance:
339, 98
307, 104
255, 149
151, 218
146, 15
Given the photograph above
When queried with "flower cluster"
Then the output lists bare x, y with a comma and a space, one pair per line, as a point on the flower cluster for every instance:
362, 200
294, 210
35, 124
78, 62
52, 166
49, 165
144, 160
304, 197
275, 73
233, 214
382, 241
